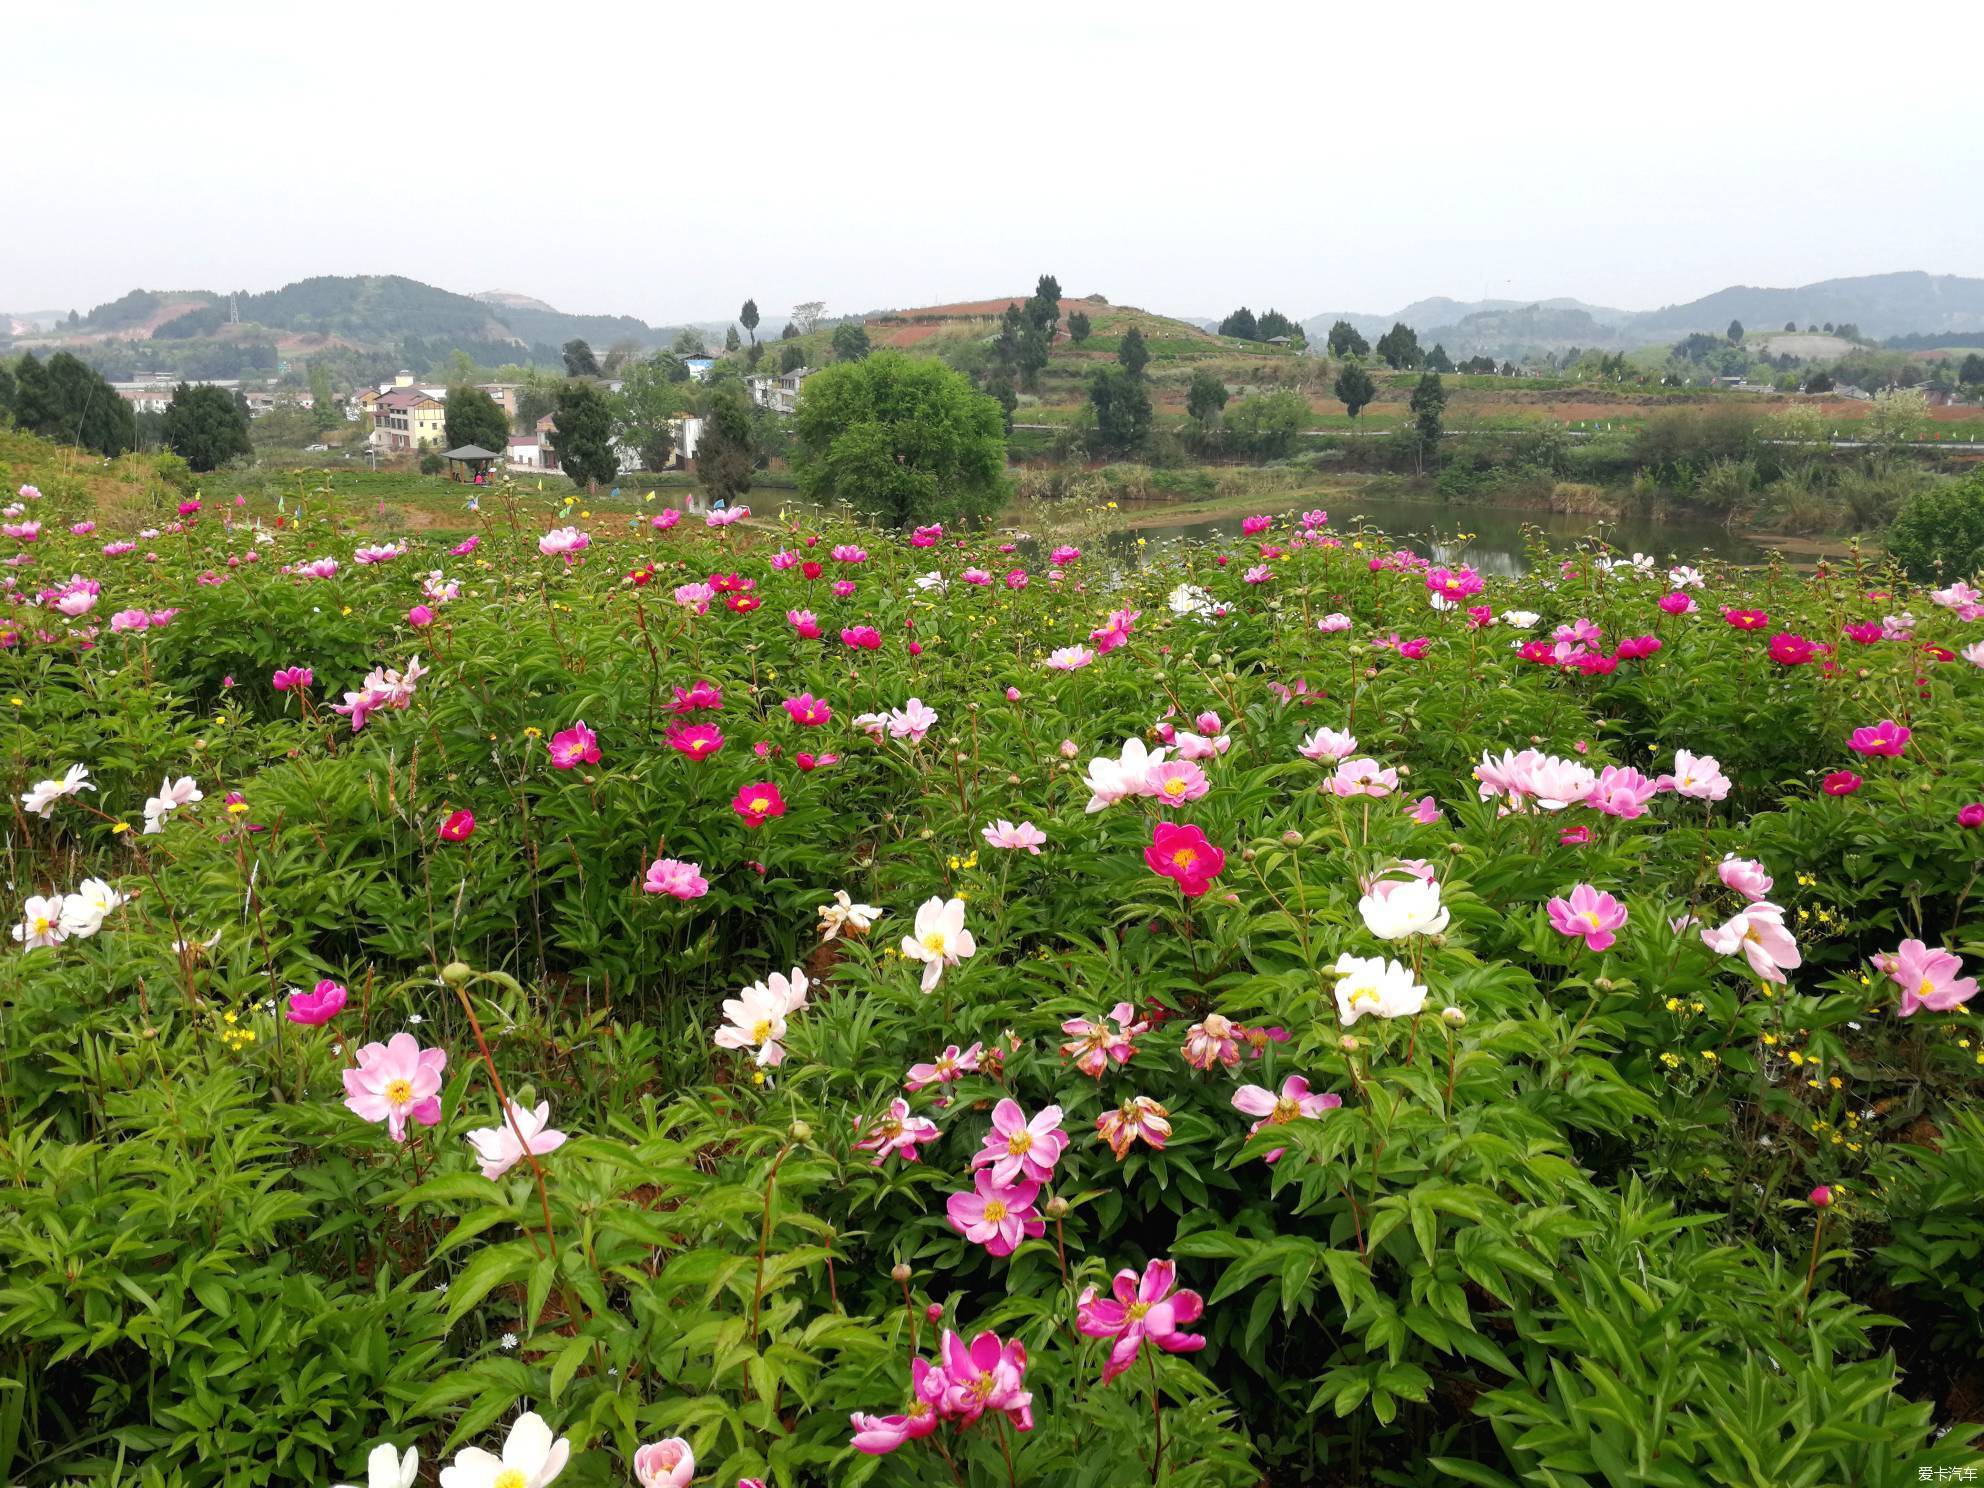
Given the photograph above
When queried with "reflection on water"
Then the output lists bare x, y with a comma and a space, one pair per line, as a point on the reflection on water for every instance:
1495, 543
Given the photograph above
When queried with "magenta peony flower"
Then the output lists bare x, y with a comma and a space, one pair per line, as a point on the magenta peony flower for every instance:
1971, 816
879, 1435
758, 803
292, 679
1182, 854
459, 826
697, 740
985, 1376
1840, 783
575, 746
315, 1008
1885, 738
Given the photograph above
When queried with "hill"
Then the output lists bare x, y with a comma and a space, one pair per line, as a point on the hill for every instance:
1167, 337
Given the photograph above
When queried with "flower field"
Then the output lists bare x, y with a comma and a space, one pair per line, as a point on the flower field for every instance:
629, 998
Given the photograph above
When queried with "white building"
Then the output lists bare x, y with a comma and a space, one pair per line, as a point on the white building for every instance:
778, 391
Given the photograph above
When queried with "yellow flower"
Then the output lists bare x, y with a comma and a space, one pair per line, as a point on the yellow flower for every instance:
1711, 1057
533, 733
117, 827
1672, 1061
237, 808
345, 611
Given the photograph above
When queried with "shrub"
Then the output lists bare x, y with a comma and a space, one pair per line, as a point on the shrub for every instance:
1939, 533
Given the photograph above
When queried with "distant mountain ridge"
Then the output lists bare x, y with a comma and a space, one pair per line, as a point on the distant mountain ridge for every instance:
1881, 305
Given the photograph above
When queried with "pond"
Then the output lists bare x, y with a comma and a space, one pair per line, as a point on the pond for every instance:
1496, 542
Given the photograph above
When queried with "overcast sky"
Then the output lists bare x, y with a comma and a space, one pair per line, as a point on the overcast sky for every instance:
666, 160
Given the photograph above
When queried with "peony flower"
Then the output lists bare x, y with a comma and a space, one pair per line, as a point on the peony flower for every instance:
563, 542
40, 924
42, 796
758, 803
315, 1008
808, 710
694, 597
530, 1459
1184, 855
502, 1146
172, 794
1697, 776
1175, 782
939, 939
1139, 1116
1070, 658
845, 914
575, 746
861, 638
996, 1215
1362, 777
912, 720
1004, 834
1112, 780
1621, 791
985, 1375
292, 679
1971, 816
1328, 744
1150, 1308
895, 1134
1094, 1042
84, 911
674, 877
1375, 986
1294, 1103
386, 1468
1840, 783
1928, 978
664, 1464
755, 1020
697, 740
458, 826
1745, 876
1396, 908
1588, 915
1884, 738
697, 697
948, 1067
395, 1082
1214, 1039
879, 1435
1759, 933
1018, 1149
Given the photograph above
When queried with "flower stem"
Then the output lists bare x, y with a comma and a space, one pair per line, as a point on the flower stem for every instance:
764, 1238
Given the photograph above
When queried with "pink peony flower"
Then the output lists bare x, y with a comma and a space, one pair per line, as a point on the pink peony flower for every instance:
880, 1435
1759, 933
1175, 782
1215, 1039
502, 1146
805, 622
1295, 1102
395, 1082
895, 1134
1017, 1149
676, 878
1745, 876
1697, 776
1362, 777
861, 638
1928, 978
996, 1215
575, 746
808, 710
1094, 1042
315, 1008
1589, 915
950, 1066
1621, 791
665, 1464
985, 1375
292, 679
1004, 834
1142, 1309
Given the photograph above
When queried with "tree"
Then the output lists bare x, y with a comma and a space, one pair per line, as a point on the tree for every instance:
688, 342
1032, 356
645, 411
904, 440
727, 448
1347, 341
1791, 325
1938, 535
731, 340
1133, 354
1400, 347
1121, 405
1205, 397
6, 391
749, 316
1078, 326
850, 341
1736, 331
1429, 402
583, 438
323, 397
791, 331
1273, 323
70, 402
1897, 417
1043, 310
579, 360
1354, 387
473, 417
535, 398
1268, 424
806, 314
1973, 370
1438, 360
619, 356
791, 357
205, 427
1240, 325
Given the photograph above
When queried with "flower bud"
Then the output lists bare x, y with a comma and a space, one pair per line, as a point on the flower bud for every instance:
1453, 1016
456, 972
900, 1273
933, 1312
799, 1131
1057, 1207
1291, 838
1348, 1043
1821, 1197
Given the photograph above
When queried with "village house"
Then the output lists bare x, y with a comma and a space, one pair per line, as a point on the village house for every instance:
408, 418
778, 391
